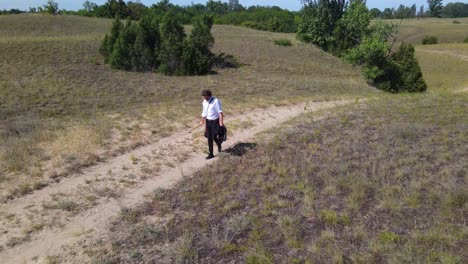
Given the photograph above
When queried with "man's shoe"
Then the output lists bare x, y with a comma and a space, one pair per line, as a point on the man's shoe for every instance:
210, 156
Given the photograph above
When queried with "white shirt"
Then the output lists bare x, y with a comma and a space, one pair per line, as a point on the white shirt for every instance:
212, 108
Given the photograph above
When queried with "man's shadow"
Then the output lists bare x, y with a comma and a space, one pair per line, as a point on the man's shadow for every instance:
240, 149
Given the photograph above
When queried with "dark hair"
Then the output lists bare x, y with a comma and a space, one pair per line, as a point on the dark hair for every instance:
206, 93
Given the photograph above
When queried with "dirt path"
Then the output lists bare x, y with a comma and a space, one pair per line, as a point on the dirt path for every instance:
39, 224
448, 52
464, 90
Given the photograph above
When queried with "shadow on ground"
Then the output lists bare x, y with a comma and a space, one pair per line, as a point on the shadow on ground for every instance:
239, 149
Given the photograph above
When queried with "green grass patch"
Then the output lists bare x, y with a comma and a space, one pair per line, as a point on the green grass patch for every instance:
283, 42
443, 71
429, 40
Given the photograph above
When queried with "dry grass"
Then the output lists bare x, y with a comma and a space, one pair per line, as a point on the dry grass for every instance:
414, 30
55, 90
444, 71
383, 182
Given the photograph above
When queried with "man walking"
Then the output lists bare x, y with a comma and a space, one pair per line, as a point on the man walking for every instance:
212, 116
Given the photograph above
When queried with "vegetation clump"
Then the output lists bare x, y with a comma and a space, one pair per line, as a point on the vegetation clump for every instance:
283, 42
150, 45
465, 40
232, 12
430, 40
344, 30
389, 71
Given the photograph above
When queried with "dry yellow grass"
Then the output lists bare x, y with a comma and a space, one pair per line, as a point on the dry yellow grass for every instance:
414, 30
54, 83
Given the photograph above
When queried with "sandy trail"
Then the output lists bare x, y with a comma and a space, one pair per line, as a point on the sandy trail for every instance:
449, 52
178, 155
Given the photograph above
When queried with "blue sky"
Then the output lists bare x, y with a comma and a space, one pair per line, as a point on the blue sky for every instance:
288, 4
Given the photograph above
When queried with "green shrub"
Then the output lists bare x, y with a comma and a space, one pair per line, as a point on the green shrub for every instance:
123, 50
283, 42
399, 72
429, 40
456, 22
319, 20
172, 41
465, 40
107, 45
197, 57
410, 72
252, 24
225, 61
149, 45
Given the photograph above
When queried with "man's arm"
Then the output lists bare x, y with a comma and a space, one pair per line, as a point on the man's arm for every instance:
221, 117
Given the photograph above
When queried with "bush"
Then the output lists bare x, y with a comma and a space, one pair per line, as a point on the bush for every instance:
149, 45
428, 40
107, 45
465, 40
283, 42
410, 72
197, 57
391, 72
456, 22
172, 41
319, 20
223, 61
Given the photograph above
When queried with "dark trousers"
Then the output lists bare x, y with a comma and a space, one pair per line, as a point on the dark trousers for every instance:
212, 131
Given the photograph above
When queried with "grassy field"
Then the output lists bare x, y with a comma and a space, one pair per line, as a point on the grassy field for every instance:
414, 30
384, 181
62, 108
443, 67
380, 182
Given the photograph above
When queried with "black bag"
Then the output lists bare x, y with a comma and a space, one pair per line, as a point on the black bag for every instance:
222, 133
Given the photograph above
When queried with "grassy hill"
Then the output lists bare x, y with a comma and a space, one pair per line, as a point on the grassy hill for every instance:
382, 181
62, 108
414, 30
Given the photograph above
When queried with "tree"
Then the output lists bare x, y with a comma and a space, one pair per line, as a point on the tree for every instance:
388, 70
409, 69
217, 7
89, 6
172, 38
108, 43
123, 52
136, 9
147, 45
51, 7
319, 19
422, 12
435, 8
375, 13
352, 27
116, 8
455, 10
234, 6
388, 13
197, 55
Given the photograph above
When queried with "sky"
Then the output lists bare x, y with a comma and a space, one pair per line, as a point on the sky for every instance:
287, 4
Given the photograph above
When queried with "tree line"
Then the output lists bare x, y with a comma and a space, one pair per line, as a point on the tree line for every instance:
435, 9
232, 12
343, 28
